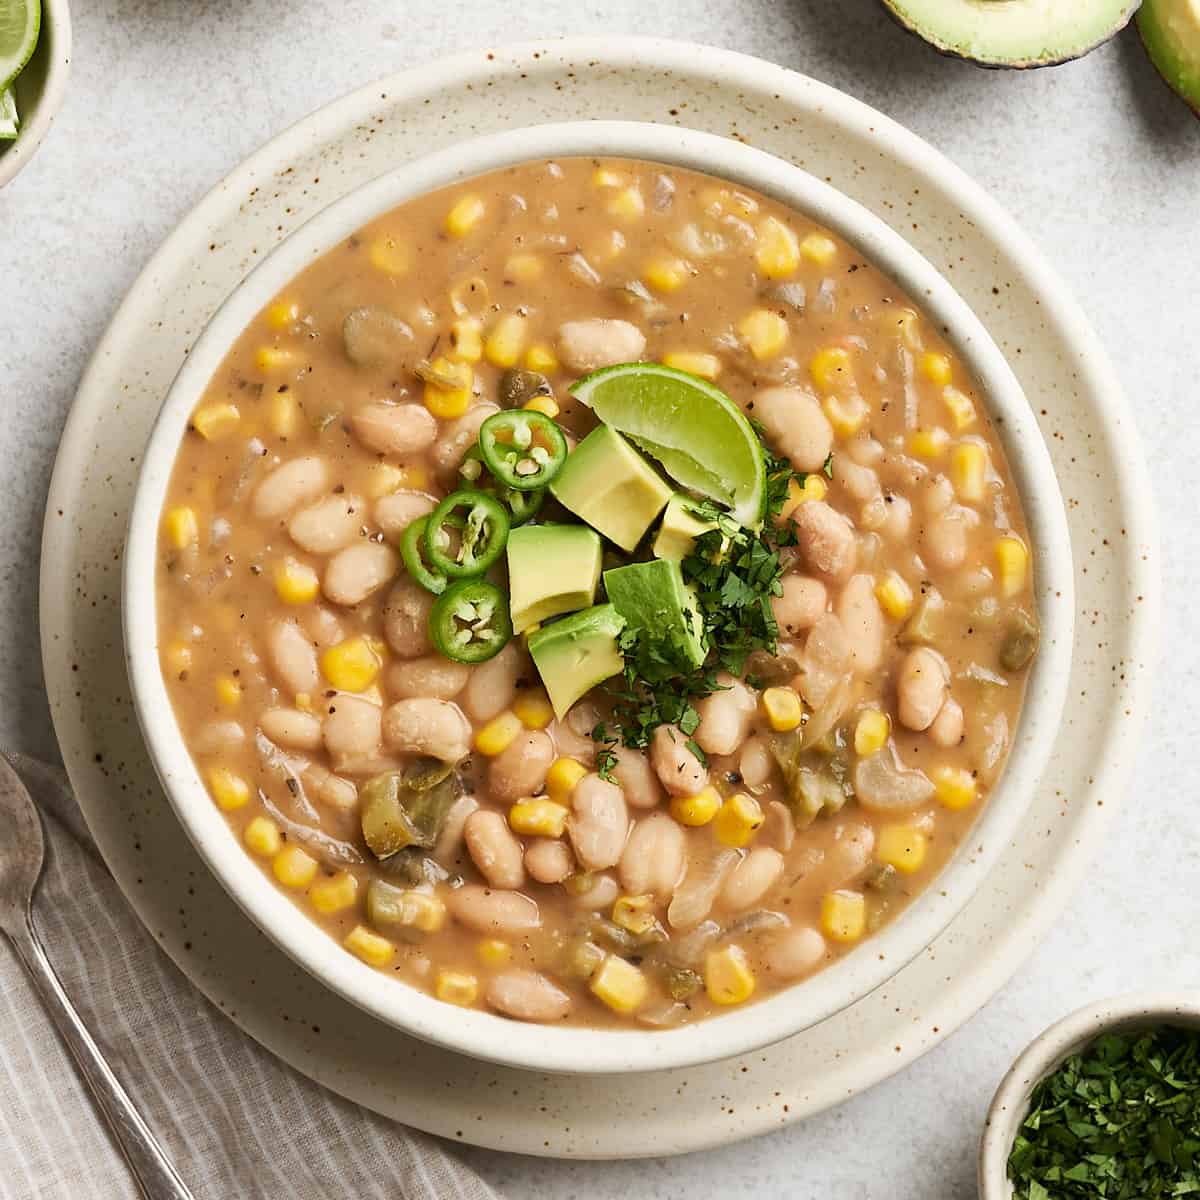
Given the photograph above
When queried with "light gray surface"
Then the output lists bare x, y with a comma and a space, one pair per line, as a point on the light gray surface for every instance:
1099, 163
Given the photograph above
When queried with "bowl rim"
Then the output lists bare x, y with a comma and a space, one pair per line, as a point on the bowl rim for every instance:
1043, 1055
54, 39
577, 1049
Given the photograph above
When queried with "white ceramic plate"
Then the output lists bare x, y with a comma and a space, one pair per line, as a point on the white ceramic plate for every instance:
1064, 371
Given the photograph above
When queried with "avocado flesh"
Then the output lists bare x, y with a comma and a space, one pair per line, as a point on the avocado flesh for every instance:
679, 530
1013, 33
575, 654
1170, 31
552, 569
653, 596
608, 484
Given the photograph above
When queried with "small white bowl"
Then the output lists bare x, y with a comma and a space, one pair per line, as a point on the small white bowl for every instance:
566, 1049
1134, 1010
40, 88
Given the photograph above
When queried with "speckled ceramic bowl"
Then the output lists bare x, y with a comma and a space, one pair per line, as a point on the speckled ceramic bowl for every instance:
573, 1049
40, 88
1135, 1010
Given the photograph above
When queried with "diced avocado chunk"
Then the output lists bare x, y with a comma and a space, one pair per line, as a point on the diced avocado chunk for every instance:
552, 569
679, 529
1170, 32
576, 653
653, 596
608, 484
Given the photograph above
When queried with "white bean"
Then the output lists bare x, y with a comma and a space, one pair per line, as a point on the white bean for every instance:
527, 996
520, 768
432, 676
398, 430
493, 684
293, 656
794, 952
755, 764
752, 878
352, 728
600, 894
947, 727
921, 687
322, 625
406, 618
598, 823
493, 910
395, 513
801, 605
329, 524
292, 728
850, 853
826, 540
329, 789
652, 861
450, 838
493, 849
897, 520
549, 860
862, 618
725, 717
860, 483
944, 541
458, 437
795, 426
357, 571
288, 487
677, 767
219, 737
599, 342
433, 727
636, 778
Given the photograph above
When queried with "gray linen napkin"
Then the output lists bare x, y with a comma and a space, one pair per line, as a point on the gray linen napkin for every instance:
237, 1122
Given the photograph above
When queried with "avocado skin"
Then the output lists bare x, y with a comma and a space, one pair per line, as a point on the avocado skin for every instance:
1028, 64
1164, 56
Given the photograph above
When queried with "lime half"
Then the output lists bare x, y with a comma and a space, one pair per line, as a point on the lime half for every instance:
20, 21
701, 438
10, 123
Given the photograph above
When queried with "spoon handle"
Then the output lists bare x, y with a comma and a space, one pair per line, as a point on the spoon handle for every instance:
151, 1168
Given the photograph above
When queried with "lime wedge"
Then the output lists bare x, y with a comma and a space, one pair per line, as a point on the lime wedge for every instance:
701, 438
20, 21
10, 123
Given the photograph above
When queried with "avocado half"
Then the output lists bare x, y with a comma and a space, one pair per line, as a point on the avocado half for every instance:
1015, 33
1170, 32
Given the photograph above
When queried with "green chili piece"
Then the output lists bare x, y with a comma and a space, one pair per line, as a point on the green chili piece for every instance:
522, 448
469, 622
522, 506
481, 535
412, 543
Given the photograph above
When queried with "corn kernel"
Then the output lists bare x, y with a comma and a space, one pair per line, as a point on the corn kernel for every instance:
505, 341
304, 702
844, 915
466, 213
523, 268
283, 414
229, 691
706, 366
902, 847
415, 478
627, 204
229, 790
782, 707
935, 367
389, 256
619, 984
955, 787
960, 406
466, 340
581, 884
296, 582
1013, 561
456, 987
738, 820
383, 479
813, 488
272, 358
294, 867
778, 251
538, 817
665, 274
534, 709
374, 950
335, 894
728, 978
283, 313
872, 732
830, 369
928, 443
819, 249
764, 331
183, 530
847, 414
546, 405
498, 734
178, 657
494, 952
635, 913
263, 837
968, 471
562, 777
696, 810
215, 421
352, 665
905, 322
421, 910
894, 595
448, 404
539, 357
606, 177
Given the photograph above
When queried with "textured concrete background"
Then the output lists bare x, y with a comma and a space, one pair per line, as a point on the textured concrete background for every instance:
1096, 159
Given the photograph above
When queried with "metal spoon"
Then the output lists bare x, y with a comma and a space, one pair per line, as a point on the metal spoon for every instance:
22, 852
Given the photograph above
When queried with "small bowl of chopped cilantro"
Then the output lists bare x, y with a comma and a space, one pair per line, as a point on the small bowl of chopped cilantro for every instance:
1103, 1105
